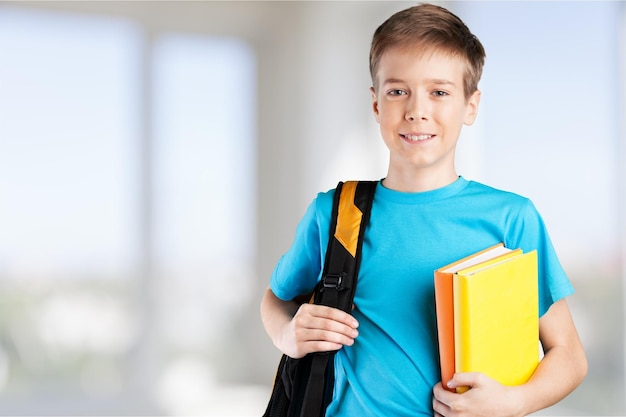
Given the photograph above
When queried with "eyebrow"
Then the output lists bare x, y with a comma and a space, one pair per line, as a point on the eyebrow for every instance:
442, 81
438, 81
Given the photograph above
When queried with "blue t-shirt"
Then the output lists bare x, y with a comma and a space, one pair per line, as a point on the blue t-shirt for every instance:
394, 364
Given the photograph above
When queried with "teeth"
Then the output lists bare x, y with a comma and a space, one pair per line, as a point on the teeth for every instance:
417, 137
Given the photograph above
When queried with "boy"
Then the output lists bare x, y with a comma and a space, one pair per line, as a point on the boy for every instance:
425, 67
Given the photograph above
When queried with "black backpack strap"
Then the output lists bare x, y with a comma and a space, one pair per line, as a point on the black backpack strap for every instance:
351, 212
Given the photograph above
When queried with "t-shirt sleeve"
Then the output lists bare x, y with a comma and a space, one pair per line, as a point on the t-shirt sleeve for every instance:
299, 269
528, 233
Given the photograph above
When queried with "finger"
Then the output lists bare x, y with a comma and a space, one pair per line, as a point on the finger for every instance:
442, 395
326, 318
321, 340
301, 340
333, 314
324, 324
465, 379
304, 348
309, 328
321, 346
440, 408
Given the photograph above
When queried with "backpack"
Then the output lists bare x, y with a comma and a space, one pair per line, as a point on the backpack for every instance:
304, 387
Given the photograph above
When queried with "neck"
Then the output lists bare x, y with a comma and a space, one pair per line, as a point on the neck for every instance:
418, 181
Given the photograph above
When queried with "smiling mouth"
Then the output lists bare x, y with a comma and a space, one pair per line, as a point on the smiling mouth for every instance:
416, 138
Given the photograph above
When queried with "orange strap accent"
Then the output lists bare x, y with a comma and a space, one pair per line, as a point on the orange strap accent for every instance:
348, 218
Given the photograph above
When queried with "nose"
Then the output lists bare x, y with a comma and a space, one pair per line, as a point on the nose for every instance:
416, 108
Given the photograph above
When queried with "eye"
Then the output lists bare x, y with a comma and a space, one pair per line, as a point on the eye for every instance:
396, 92
439, 93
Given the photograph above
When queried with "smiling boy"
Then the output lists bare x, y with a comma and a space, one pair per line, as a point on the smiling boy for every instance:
425, 66
419, 102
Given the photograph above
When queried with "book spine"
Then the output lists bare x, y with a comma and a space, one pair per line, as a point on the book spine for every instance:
462, 326
445, 324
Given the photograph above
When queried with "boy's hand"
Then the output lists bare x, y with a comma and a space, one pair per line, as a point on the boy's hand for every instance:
316, 328
486, 397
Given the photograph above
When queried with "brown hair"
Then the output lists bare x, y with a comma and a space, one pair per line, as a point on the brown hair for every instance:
430, 27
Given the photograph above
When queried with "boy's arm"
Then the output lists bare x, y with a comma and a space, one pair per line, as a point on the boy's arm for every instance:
561, 370
297, 329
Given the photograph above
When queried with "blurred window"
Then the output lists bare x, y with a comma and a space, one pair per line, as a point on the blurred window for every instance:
126, 164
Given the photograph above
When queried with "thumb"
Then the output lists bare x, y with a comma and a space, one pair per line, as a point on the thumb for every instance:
463, 381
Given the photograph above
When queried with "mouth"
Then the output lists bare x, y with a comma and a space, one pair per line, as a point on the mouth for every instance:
416, 138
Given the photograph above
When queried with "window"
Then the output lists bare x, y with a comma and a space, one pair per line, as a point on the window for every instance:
204, 220
126, 210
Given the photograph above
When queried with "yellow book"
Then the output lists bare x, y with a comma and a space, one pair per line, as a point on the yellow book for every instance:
444, 303
496, 324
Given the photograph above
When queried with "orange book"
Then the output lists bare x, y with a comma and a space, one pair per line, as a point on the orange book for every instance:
444, 304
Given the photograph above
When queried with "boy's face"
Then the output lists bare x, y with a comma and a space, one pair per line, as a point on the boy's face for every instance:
420, 106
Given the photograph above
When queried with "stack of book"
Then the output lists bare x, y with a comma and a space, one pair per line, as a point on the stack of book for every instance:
487, 315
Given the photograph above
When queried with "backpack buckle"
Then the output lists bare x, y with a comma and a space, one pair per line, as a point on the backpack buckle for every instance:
333, 281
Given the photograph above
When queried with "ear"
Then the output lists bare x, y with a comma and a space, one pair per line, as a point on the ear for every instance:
471, 108
375, 104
